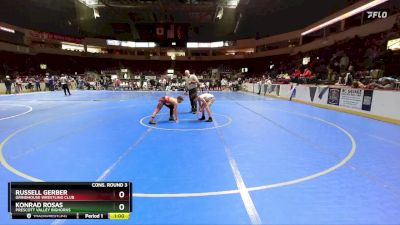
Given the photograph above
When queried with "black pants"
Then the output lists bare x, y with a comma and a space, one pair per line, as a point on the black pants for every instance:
65, 87
171, 110
8, 89
38, 87
193, 96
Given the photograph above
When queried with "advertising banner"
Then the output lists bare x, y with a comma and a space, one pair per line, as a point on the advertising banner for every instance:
351, 98
333, 96
367, 100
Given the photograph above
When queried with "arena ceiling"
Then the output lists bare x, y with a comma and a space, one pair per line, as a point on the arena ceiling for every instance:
208, 20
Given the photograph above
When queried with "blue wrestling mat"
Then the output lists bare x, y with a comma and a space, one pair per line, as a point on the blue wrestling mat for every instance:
262, 160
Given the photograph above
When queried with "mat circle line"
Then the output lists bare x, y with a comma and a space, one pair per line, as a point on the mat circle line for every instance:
20, 114
351, 153
141, 121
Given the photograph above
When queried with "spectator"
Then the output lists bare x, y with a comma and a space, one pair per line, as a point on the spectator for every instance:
333, 68
8, 84
30, 85
384, 83
307, 73
117, 83
37, 83
259, 85
51, 83
358, 84
370, 54
46, 83
18, 85
344, 62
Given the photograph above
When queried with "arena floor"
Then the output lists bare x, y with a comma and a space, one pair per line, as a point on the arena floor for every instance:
263, 160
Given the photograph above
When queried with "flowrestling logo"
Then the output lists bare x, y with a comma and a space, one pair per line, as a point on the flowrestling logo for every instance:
377, 14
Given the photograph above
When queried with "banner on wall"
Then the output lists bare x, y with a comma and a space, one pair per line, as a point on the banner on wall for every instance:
322, 90
367, 100
351, 98
313, 90
333, 96
292, 92
55, 37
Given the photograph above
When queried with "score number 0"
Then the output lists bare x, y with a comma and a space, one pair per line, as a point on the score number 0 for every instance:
121, 195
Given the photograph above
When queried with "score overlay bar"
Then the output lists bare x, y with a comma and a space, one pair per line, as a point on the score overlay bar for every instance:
70, 200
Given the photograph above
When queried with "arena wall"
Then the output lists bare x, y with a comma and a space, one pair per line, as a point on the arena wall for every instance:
381, 105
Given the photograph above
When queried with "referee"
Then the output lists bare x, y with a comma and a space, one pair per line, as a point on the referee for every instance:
191, 86
64, 83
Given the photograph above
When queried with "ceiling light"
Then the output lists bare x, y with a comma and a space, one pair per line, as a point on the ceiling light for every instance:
345, 16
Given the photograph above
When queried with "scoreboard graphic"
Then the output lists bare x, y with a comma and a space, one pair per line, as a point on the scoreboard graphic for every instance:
70, 200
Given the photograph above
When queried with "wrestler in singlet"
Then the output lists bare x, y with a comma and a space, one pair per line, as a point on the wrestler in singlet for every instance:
171, 103
166, 100
205, 101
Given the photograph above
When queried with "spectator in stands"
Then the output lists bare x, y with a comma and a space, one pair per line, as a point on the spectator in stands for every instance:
72, 83
236, 85
267, 85
18, 84
333, 68
348, 79
51, 83
308, 74
212, 85
259, 85
370, 54
344, 62
81, 83
145, 85
296, 74
219, 84
46, 83
117, 83
37, 83
164, 83
384, 83
320, 70
350, 69
30, 84
358, 84
8, 84
224, 83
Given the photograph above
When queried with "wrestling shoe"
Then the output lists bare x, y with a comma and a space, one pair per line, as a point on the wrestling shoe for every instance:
202, 118
209, 120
